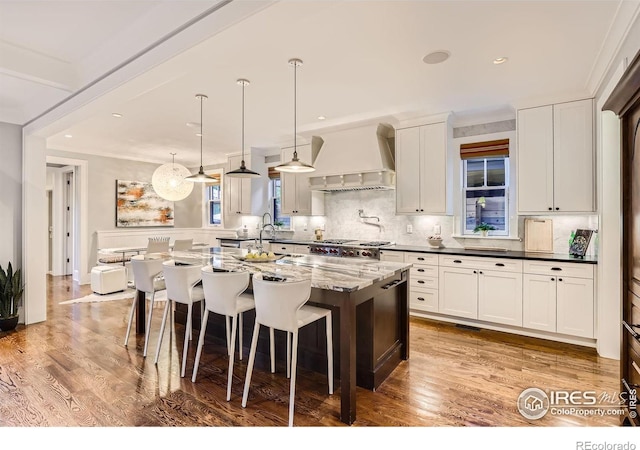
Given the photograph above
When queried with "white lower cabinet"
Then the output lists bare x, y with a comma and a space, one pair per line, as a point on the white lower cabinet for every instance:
500, 297
559, 303
423, 286
488, 289
458, 292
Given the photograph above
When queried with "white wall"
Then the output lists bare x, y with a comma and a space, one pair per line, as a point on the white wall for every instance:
11, 189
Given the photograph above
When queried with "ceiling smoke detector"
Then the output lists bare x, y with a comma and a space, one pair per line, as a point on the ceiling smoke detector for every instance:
436, 57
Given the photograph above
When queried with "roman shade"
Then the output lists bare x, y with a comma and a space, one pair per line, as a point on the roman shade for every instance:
487, 149
273, 173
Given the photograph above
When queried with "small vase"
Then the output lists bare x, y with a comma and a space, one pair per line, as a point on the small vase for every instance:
484, 233
8, 324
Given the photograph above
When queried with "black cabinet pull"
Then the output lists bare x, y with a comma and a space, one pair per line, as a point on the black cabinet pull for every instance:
420, 270
553, 279
420, 282
457, 261
550, 208
417, 210
421, 299
559, 279
422, 210
499, 264
392, 284
557, 209
475, 271
480, 272
556, 268
420, 258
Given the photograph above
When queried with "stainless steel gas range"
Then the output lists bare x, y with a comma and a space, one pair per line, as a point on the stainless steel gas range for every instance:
348, 248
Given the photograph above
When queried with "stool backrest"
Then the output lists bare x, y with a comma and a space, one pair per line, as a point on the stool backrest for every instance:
180, 280
144, 272
221, 290
182, 245
277, 302
158, 245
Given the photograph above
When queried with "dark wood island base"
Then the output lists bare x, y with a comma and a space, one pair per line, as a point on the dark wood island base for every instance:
370, 335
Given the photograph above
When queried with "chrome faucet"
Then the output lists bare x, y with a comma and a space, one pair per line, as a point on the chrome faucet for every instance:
273, 230
270, 219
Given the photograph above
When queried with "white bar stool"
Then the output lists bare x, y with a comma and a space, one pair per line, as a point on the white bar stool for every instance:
147, 277
181, 284
224, 294
281, 305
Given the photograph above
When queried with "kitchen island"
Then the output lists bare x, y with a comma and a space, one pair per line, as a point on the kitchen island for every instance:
370, 311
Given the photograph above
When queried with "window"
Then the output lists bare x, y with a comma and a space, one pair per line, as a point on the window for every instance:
486, 194
276, 202
214, 195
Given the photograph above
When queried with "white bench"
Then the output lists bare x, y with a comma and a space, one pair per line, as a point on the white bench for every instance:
108, 279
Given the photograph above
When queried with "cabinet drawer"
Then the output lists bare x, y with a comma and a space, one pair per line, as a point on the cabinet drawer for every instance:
474, 262
282, 248
387, 255
419, 271
424, 282
576, 270
421, 258
302, 249
423, 299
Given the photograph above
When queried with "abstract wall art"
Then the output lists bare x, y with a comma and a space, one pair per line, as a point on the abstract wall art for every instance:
138, 205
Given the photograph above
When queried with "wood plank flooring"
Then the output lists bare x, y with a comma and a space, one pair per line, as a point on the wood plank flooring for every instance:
73, 370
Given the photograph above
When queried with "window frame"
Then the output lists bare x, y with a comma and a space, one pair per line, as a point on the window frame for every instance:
206, 202
507, 192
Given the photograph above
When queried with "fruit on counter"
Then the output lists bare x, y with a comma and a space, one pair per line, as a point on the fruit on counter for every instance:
271, 255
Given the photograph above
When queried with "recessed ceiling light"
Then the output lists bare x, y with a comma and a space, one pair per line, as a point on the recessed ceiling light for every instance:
118, 115
500, 60
321, 117
436, 57
193, 124
68, 136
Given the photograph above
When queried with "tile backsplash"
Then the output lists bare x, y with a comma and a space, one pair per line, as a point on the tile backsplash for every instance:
342, 221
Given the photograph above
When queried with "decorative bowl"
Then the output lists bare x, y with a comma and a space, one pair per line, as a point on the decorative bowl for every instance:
435, 242
258, 260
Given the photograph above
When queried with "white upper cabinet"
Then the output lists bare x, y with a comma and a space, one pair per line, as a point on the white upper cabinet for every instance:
296, 196
246, 196
556, 158
423, 169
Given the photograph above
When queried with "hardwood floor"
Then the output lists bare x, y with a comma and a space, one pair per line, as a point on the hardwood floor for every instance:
73, 370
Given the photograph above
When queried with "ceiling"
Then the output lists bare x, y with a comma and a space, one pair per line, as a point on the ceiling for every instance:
363, 62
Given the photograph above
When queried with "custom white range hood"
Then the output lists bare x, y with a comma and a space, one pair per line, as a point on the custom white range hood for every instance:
356, 159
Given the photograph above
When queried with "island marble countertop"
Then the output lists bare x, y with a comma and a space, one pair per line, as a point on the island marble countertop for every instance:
335, 274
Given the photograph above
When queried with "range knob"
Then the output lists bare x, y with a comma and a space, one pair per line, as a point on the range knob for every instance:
366, 253
324, 250
334, 250
351, 253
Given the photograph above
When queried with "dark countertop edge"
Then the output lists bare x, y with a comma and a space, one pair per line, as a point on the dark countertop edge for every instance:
241, 239
463, 252
495, 254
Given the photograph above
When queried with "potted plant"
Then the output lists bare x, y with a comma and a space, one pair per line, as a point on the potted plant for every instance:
278, 224
11, 290
484, 229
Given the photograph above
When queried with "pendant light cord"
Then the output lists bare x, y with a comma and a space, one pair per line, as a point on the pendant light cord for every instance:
243, 163
201, 170
295, 111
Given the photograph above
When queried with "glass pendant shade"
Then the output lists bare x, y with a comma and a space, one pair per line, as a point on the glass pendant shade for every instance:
242, 171
201, 177
295, 165
168, 181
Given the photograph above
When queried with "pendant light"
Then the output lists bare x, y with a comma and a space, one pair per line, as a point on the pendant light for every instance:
243, 172
201, 177
168, 181
295, 165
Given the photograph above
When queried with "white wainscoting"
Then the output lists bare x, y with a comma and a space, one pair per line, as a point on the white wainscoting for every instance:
139, 237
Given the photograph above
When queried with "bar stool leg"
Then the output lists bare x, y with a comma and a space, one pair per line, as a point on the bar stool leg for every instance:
234, 329
252, 358
187, 337
164, 321
288, 362
200, 345
148, 330
131, 312
329, 352
294, 363
227, 330
240, 336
